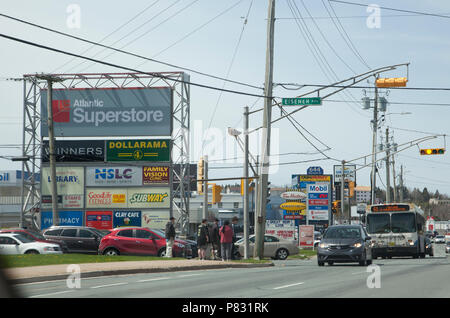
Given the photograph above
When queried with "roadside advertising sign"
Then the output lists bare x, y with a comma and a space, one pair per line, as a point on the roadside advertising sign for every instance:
127, 218
113, 176
74, 218
283, 229
155, 219
293, 195
66, 201
318, 202
349, 173
101, 220
9, 178
314, 171
154, 150
89, 112
75, 150
306, 235
69, 180
106, 198
154, 197
155, 174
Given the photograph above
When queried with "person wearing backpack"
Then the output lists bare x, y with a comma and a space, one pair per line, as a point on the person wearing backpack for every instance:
170, 236
226, 240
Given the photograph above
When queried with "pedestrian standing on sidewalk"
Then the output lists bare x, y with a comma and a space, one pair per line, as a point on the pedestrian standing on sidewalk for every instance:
170, 236
226, 240
203, 239
215, 239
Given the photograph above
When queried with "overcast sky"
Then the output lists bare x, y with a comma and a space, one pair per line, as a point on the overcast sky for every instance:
205, 35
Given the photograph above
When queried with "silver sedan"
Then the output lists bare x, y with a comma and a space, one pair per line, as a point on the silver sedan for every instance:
273, 247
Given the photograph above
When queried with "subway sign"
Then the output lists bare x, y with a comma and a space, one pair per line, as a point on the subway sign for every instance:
153, 150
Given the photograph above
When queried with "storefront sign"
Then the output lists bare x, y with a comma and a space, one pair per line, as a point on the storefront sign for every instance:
155, 219
106, 198
101, 220
73, 218
69, 180
155, 174
75, 150
154, 197
127, 218
113, 176
155, 150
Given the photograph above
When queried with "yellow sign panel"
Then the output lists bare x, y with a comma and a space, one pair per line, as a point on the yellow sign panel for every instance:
293, 206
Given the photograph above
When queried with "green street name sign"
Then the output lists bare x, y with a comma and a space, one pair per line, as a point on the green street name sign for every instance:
154, 150
304, 101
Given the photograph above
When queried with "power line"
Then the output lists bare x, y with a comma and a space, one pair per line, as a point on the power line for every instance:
368, 87
392, 9
128, 68
125, 52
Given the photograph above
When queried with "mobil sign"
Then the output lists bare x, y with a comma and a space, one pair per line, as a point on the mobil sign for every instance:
113, 176
318, 202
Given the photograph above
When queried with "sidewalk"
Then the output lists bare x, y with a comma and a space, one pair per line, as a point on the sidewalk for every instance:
32, 274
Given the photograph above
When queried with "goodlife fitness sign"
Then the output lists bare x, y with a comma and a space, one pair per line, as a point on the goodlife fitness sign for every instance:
109, 112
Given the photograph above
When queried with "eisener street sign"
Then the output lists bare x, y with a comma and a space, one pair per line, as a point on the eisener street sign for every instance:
297, 101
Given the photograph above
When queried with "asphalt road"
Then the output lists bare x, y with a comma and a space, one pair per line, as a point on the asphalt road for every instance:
399, 277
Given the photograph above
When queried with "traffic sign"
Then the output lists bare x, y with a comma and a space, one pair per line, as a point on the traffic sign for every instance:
301, 101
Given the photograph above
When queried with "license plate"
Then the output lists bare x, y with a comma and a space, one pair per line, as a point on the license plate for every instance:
391, 243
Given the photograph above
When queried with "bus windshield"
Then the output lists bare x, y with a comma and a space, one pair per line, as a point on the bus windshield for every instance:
378, 223
403, 223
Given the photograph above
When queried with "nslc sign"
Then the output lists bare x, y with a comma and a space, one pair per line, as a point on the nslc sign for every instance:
113, 176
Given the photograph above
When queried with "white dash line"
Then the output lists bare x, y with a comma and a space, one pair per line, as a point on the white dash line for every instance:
188, 275
50, 294
109, 285
152, 279
286, 286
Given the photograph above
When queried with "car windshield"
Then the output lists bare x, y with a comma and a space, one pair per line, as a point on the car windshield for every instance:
159, 232
343, 233
440, 236
99, 232
378, 223
403, 223
37, 235
23, 239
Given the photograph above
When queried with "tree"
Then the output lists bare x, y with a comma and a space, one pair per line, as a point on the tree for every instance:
425, 195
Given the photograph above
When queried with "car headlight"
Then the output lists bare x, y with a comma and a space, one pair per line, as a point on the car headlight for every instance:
50, 248
323, 245
357, 245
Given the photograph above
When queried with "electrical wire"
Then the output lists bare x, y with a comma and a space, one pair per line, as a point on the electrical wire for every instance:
125, 52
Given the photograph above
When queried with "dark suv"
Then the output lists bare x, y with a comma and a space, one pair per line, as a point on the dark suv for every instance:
78, 239
345, 244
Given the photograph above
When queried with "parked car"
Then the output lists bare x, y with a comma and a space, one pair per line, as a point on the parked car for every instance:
194, 247
429, 247
141, 241
78, 239
36, 236
345, 244
439, 239
12, 243
447, 247
273, 247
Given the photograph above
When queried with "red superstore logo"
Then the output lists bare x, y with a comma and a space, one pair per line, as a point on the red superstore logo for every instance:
61, 111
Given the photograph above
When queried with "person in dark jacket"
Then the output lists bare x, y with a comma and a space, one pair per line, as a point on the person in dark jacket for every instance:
170, 236
215, 239
226, 240
203, 239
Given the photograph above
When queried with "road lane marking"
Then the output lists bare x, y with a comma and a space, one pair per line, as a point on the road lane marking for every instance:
109, 285
49, 294
290, 285
152, 279
188, 275
355, 273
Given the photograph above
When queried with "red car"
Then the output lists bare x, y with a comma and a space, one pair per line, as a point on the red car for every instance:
141, 241
35, 236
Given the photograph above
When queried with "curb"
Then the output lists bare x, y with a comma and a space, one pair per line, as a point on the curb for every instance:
16, 281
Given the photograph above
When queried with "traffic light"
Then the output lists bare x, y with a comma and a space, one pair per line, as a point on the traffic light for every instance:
391, 82
432, 151
250, 188
351, 187
336, 206
200, 174
216, 196
268, 193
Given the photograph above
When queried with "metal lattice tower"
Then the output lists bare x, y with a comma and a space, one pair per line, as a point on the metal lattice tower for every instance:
31, 148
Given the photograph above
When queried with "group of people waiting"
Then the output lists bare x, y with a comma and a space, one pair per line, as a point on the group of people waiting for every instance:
218, 240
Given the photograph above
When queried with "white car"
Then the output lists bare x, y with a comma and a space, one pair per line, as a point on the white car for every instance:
440, 239
13, 243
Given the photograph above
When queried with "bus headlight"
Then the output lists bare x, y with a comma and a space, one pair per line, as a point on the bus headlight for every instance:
411, 242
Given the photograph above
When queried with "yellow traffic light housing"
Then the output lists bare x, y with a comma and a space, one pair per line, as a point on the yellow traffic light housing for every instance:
250, 189
200, 174
216, 196
391, 82
432, 151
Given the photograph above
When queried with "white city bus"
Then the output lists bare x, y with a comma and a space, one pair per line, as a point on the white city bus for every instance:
396, 230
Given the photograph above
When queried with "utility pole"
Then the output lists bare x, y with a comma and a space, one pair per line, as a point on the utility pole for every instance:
374, 145
401, 183
246, 234
51, 142
342, 190
388, 169
265, 143
205, 187
393, 174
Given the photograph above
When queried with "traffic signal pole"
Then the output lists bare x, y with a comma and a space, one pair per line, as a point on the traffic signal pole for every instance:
246, 200
374, 146
205, 187
265, 144
388, 169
